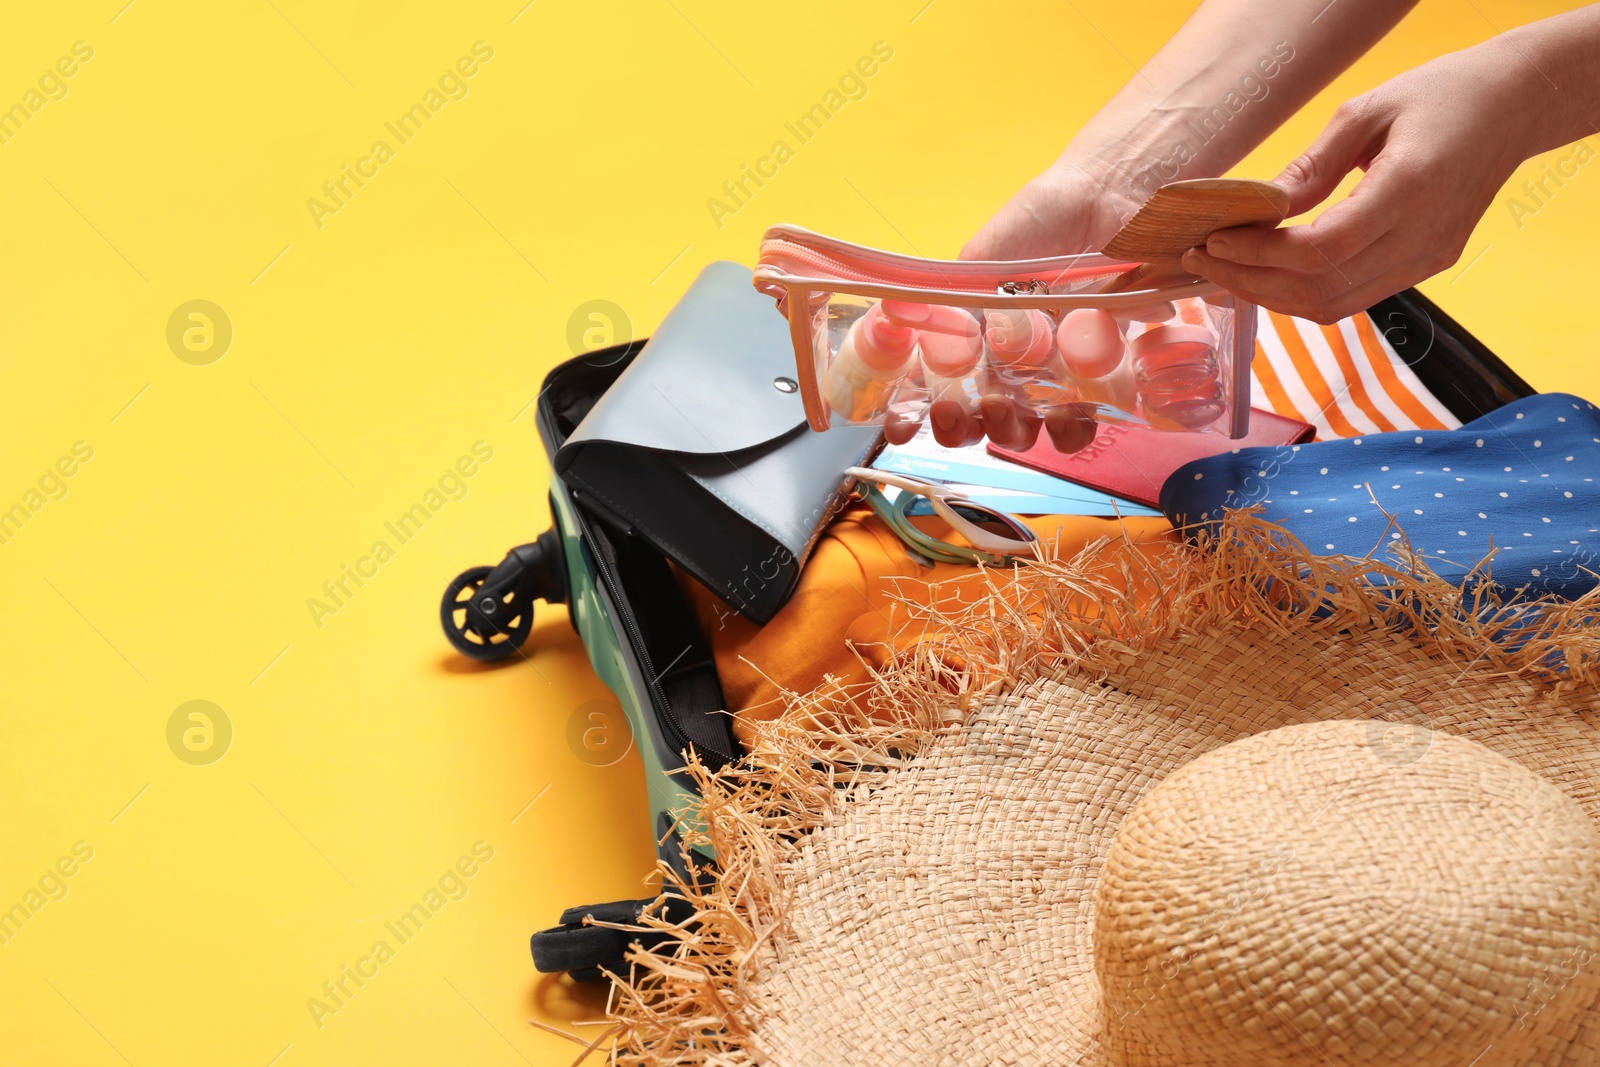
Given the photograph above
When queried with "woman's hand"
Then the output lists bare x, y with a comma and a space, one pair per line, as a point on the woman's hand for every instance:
1436, 144
1276, 53
1061, 212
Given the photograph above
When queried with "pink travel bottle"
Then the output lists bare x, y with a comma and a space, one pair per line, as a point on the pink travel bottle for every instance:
1177, 371
1096, 358
951, 350
950, 370
1018, 338
874, 355
1022, 358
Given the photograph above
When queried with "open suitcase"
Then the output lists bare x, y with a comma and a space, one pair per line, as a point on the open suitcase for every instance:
627, 608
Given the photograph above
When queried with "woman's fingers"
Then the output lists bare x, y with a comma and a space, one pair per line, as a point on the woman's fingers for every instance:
1002, 421
999, 418
1288, 248
1389, 268
1070, 428
1350, 140
1007, 424
1356, 300
900, 427
1334, 238
952, 426
1323, 295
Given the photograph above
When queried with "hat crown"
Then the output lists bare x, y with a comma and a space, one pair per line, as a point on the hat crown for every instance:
1317, 894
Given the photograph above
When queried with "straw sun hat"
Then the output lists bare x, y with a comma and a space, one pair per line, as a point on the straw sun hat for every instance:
1176, 807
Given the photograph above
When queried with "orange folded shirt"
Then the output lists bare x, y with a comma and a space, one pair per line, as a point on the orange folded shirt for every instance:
849, 601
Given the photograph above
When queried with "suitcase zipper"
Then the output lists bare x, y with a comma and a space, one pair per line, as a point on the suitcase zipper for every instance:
658, 695
797, 253
661, 709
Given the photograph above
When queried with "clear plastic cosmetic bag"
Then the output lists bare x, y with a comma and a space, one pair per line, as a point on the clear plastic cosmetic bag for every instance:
880, 338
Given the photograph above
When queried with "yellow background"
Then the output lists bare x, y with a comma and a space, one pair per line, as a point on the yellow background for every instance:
368, 354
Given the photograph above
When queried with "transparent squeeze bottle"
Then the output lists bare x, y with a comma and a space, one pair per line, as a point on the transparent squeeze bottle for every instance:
1096, 356
1022, 358
952, 348
874, 356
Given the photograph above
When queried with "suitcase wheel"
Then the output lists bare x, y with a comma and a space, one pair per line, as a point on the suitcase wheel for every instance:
487, 612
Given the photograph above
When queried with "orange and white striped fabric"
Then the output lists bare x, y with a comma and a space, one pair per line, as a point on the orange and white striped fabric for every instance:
1343, 379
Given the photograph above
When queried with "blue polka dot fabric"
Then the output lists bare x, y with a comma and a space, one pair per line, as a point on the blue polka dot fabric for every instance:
1521, 479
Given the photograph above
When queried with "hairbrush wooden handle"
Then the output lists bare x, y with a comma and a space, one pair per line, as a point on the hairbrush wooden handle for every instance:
1182, 215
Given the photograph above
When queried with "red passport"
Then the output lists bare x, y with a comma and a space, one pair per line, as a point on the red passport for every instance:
1132, 462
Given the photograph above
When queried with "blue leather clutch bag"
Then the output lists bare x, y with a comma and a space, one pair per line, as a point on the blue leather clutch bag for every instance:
701, 447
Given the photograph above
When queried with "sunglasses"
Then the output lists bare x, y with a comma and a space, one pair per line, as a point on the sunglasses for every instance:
992, 536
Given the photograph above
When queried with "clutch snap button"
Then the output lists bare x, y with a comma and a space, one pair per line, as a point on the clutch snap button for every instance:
785, 385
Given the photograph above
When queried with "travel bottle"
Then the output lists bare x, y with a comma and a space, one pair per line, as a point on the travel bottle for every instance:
1177, 372
952, 346
951, 369
1096, 358
875, 353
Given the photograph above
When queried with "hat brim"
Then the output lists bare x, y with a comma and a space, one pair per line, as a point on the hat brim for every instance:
891, 891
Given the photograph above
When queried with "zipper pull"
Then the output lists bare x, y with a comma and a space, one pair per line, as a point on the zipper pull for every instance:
1031, 287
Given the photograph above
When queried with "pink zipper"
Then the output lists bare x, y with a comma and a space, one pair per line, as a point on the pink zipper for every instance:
790, 253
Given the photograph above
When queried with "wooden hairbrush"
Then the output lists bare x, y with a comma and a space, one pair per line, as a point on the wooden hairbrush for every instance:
1180, 216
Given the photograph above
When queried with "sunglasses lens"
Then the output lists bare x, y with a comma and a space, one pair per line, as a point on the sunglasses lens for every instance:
986, 519
994, 522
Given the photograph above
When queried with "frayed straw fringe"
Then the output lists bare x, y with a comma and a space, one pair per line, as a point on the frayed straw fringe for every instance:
687, 1002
